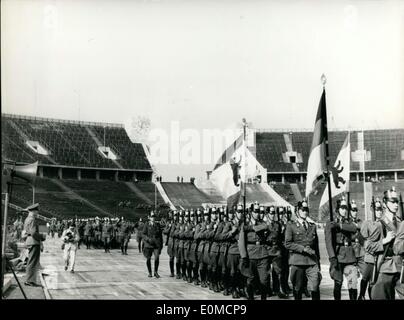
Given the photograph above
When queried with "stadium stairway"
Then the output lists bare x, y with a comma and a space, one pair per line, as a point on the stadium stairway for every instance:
138, 192
77, 196
296, 191
209, 188
164, 195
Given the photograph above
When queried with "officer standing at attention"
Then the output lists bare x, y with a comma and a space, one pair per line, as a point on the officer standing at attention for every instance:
341, 253
153, 243
169, 231
302, 242
33, 241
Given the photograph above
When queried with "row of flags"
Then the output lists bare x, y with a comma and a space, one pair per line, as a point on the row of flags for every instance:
229, 174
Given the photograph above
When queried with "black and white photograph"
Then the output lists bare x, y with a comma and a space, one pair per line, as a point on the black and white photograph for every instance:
213, 151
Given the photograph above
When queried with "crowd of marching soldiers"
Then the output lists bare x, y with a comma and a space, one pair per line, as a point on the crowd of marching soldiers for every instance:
243, 253
106, 233
204, 249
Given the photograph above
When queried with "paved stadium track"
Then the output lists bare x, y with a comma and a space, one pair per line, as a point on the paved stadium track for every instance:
100, 275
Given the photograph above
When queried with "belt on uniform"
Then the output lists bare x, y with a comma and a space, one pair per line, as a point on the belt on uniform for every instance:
256, 242
344, 244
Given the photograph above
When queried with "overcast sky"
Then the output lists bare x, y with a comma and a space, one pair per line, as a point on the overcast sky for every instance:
206, 64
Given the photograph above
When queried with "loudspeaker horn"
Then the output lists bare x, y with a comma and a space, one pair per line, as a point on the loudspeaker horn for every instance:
26, 172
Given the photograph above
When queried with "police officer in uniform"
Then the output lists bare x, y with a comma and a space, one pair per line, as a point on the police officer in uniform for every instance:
273, 245
213, 237
339, 239
107, 230
358, 239
33, 241
169, 231
193, 258
236, 280
372, 233
124, 234
153, 243
203, 247
179, 244
389, 263
257, 255
302, 242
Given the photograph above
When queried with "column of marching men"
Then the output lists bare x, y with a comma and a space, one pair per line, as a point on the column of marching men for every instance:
258, 250
97, 233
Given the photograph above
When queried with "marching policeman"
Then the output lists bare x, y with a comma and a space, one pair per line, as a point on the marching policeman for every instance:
389, 263
203, 247
358, 239
124, 234
372, 232
302, 242
193, 258
179, 245
153, 243
213, 237
107, 230
169, 231
257, 255
341, 253
273, 245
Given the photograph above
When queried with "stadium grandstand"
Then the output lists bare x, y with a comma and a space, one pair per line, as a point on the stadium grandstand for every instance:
85, 169
93, 169
284, 154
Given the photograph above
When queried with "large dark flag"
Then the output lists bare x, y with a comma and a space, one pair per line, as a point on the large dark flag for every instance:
317, 160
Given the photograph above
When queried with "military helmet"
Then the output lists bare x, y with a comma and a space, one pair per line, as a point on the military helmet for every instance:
213, 211
272, 210
342, 203
303, 205
390, 195
198, 212
240, 207
354, 207
262, 209
378, 204
206, 211
281, 210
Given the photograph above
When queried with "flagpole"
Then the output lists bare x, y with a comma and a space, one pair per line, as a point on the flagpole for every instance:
364, 175
327, 155
245, 171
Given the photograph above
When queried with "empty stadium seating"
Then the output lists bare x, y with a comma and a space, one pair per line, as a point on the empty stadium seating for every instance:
69, 143
385, 147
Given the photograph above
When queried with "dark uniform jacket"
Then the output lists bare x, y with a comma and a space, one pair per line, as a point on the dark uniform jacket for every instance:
358, 240
339, 239
273, 238
256, 241
153, 235
107, 230
297, 238
232, 238
393, 260
215, 248
199, 236
372, 232
224, 242
88, 228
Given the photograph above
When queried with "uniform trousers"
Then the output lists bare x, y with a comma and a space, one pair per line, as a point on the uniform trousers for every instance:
34, 253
